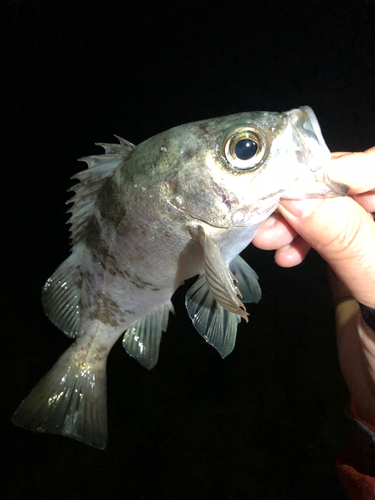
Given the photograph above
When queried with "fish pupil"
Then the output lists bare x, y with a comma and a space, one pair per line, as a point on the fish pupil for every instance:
245, 149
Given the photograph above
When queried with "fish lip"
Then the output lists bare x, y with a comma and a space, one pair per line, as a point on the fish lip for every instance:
335, 187
304, 121
312, 152
314, 122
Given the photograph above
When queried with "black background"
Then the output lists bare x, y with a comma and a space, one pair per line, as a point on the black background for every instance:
268, 421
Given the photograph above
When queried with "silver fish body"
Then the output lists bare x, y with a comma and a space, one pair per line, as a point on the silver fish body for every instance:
185, 202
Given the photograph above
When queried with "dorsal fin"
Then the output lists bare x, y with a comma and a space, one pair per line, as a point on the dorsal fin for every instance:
116, 148
100, 167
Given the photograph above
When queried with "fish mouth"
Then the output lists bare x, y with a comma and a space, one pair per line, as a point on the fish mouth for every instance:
308, 138
308, 122
310, 150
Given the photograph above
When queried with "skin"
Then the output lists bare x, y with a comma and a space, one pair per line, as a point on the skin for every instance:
342, 230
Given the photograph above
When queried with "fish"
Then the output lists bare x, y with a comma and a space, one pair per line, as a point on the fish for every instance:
147, 218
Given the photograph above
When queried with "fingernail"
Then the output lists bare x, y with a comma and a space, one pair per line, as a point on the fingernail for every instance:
300, 208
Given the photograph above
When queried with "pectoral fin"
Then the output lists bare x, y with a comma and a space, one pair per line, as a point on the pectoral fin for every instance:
216, 325
142, 340
220, 280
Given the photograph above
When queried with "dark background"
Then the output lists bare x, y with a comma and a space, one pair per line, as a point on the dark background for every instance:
268, 421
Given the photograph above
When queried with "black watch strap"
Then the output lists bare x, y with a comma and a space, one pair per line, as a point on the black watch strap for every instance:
368, 315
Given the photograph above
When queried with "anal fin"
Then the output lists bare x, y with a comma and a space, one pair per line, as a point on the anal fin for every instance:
142, 340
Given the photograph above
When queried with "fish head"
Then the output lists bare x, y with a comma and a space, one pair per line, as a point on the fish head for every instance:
240, 166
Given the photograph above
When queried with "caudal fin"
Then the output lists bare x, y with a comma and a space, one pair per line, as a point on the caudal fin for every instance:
69, 400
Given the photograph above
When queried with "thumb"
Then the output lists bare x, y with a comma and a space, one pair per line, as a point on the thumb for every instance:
343, 233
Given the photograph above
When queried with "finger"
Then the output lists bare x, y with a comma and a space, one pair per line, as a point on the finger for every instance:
293, 254
366, 200
360, 177
339, 153
341, 293
274, 233
344, 235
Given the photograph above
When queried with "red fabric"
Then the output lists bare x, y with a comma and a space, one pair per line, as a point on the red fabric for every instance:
358, 485
351, 466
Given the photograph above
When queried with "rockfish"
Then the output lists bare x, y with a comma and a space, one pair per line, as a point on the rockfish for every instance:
145, 219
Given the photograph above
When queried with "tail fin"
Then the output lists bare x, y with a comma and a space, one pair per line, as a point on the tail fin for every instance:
69, 400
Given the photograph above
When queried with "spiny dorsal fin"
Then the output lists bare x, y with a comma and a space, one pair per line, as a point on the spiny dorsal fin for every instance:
100, 167
117, 148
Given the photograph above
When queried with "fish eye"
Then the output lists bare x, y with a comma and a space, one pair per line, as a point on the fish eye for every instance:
244, 148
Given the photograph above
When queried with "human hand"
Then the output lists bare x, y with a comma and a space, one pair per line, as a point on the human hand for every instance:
342, 230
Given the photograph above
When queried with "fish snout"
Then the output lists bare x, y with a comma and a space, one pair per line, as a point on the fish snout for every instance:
307, 139
308, 152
